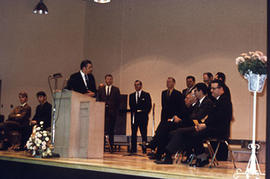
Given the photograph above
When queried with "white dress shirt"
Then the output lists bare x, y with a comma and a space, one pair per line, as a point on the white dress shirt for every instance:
84, 80
106, 89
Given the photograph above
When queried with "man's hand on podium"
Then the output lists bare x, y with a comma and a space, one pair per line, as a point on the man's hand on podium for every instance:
90, 93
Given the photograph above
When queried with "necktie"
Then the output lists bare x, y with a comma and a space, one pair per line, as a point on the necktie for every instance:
87, 81
137, 99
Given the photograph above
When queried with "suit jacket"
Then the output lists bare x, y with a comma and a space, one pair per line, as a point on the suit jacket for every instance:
172, 105
220, 116
76, 83
21, 114
144, 103
112, 102
43, 113
200, 111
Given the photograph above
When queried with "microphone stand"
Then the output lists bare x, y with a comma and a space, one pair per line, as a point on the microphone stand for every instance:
54, 117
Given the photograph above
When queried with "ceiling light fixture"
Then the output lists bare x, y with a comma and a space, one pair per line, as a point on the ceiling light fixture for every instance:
102, 1
40, 8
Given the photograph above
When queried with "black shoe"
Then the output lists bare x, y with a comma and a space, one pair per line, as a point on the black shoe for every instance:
202, 163
150, 154
155, 157
143, 148
149, 146
165, 160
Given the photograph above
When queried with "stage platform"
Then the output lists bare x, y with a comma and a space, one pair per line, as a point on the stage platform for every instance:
119, 164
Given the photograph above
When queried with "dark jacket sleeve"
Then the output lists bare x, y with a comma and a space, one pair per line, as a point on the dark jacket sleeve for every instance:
132, 103
93, 84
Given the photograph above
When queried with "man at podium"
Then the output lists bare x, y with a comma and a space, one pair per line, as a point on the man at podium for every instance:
83, 81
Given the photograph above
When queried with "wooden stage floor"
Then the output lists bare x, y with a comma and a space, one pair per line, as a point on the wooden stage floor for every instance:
120, 163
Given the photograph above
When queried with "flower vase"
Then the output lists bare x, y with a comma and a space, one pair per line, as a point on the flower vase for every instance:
255, 81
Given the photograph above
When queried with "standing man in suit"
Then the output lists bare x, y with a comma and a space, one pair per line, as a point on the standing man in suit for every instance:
83, 81
140, 105
190, 82
111, 96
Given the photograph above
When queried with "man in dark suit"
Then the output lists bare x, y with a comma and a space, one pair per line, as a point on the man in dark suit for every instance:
111, 96
83, 81
43, 111
140, 105
199, 111
18, 120
216, 125
173, 113
190, 82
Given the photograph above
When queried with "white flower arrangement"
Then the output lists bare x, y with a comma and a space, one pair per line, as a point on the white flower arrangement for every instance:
39, 143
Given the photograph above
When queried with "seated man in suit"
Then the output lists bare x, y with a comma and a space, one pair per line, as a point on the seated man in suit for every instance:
190, 82
18, 120
221, 76
111, 96
83, 81
172, 105
198, 114
43, 111
140, 106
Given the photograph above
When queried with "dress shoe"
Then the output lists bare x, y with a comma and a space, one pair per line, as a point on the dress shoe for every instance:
155, 157
201, 163
149, 146
151, 153
144, 149
165, 160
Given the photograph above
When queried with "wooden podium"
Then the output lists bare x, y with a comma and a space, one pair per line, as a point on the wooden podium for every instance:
79, 125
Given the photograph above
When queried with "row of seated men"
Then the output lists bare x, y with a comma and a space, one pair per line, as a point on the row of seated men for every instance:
19, 120
186, 121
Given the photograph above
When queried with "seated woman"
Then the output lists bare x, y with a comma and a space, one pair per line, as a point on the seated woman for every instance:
17, 120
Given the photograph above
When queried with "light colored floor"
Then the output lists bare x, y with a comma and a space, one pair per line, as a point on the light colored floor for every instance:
140, 165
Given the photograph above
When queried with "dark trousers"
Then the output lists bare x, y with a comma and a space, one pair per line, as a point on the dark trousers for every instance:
198, 138
179, 140
140, 120
161, 138
9, 126
109, 126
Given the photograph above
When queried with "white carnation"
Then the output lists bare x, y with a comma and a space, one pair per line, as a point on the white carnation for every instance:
47, 139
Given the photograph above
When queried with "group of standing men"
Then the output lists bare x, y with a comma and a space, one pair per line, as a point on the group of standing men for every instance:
139, 101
